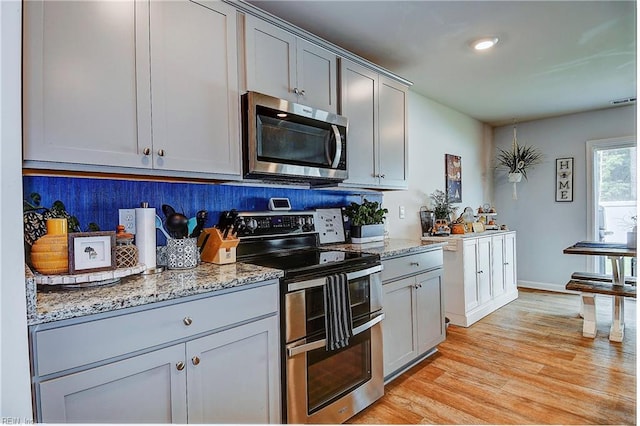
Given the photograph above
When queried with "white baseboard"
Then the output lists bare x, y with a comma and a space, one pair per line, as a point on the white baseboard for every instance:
558, 288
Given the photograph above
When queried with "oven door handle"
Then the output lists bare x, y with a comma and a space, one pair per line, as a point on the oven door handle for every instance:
319, 282
306, 347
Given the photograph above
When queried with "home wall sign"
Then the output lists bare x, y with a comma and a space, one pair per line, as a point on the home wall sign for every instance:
564, 179
453, 177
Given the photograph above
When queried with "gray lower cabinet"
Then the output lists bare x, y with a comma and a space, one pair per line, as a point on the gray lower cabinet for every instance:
414, 309
228, 374
143, 389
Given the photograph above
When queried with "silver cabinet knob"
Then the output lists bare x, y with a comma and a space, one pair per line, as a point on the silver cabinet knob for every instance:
161, 152
180, 366
146, 151
187, 321
195, 360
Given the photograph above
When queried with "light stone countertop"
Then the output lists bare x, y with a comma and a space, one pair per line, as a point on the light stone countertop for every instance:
137, 290
391, 247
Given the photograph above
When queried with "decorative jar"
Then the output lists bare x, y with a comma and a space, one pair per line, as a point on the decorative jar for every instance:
50, 253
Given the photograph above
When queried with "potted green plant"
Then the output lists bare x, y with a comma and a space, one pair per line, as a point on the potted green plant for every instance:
517, 160
442, 208
367, 221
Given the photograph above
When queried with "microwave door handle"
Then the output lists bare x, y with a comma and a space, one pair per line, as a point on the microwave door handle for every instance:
336, 158
300, 349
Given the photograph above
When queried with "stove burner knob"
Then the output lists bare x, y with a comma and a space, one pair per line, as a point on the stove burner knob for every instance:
301, 222
251, 224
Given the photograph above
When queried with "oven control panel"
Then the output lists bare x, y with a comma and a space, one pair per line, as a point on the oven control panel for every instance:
257, 224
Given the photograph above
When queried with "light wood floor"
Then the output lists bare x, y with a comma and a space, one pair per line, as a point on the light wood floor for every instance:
526, 363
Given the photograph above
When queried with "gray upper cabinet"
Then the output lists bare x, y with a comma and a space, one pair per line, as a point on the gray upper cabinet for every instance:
86, 82
376, 107
280, 64
194, 84
132, 84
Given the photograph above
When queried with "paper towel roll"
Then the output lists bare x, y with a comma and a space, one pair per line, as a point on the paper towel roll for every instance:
146, 236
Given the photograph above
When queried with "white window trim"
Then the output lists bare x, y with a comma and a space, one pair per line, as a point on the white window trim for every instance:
592, 146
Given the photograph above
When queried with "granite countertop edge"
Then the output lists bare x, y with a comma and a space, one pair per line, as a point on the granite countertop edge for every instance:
138, 290
392, 247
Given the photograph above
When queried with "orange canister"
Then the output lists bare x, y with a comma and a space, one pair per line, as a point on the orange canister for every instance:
50, 253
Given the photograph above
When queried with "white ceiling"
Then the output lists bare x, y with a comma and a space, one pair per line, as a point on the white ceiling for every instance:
553, 57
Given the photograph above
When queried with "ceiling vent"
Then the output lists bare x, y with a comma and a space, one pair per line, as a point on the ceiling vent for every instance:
622, 101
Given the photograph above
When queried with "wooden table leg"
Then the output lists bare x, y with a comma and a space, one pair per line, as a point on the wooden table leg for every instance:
589, 315
616, 334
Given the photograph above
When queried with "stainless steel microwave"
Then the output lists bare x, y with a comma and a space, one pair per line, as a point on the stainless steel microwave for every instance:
286, 140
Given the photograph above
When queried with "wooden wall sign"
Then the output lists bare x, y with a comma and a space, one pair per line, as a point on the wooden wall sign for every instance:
564, 179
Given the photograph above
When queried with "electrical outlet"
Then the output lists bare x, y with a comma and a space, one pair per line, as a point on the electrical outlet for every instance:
127, 217
401, 212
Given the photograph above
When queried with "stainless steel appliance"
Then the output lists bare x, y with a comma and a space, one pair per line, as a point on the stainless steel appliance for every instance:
283, 139
319, 385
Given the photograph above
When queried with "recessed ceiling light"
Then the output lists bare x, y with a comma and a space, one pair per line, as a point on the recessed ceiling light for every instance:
484, 43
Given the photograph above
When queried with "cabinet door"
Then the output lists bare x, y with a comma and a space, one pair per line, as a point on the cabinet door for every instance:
86, 82
510, 270
144, 389
484, 269
498, 264
358, 100
398, 327
270, 59
195, 87
430, 310
316, 76
392, 128
470, 272
234, 375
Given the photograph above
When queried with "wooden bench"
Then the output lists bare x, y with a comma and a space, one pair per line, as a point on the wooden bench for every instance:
588, 289
592, 276
601, 287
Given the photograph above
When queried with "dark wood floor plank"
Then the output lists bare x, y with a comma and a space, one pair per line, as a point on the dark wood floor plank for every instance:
526, 363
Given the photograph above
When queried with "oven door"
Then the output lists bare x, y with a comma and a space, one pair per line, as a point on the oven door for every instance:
304, 302
332, 386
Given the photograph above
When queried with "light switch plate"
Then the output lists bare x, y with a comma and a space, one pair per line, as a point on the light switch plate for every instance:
127, 217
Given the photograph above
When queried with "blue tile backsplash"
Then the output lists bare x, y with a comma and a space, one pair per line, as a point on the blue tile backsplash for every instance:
98, 200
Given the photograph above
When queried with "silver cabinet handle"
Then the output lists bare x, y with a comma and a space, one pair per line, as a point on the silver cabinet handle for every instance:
180, 366
187, 321
414, 264
306, 347
480, 272
382, 176
195, 360
161, 152
418, 286
146, 151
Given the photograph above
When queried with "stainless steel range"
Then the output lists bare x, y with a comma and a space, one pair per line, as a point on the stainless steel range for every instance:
323, 385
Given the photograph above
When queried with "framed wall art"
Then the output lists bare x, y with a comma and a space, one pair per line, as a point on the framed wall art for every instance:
564, 179
92, 251
453, 177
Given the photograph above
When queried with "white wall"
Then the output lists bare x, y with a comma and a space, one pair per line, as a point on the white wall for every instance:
436, 130
545, 227
15, 390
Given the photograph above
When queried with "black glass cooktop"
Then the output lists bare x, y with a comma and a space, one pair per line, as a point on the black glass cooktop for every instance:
314, 261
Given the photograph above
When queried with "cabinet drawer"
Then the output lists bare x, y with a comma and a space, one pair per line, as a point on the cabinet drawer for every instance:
62, 348
411, 264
